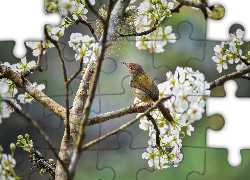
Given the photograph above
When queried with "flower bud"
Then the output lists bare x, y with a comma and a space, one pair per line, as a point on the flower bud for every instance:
12, 147
1, 149
182, 134
20, 137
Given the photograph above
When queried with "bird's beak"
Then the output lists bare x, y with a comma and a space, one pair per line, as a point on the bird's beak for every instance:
125, 63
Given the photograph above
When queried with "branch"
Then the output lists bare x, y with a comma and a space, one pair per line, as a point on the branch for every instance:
202, 6
128, 124
27, 72
77, 72
113, 19
245, 77
235, 75
38, 66
58, 51
82, 93
141, 33
176, 9
150, 118
89, 26
67, 97
39, 57
75, 121
35, 93
116, 114
244, 61
33, 123
92, 91
64, 77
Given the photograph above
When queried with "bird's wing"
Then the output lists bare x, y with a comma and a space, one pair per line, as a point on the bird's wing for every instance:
146, 84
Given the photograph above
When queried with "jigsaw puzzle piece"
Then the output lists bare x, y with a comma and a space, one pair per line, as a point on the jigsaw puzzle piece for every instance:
29, 25
192, 16
10, 129
8, 136
198, 136
228, 137
234, 12
89, 168
190, 49
193, 161
217, 167
114, 79
51, 65
209, 67
124, 161
68, 53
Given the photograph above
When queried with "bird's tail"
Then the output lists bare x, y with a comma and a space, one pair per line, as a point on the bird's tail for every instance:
166, 113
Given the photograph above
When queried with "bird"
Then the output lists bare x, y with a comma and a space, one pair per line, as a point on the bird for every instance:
145, 88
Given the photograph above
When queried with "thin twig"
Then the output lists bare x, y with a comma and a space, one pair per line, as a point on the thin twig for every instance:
203, 9
153, 28
244, 61
67, 94
39, 58
89, 26
202, 6
64, 76
40, 131
150, 118
58, 51
124, 126
38, 66
94, 11
245, 77
235, 75
176, 9
76, 73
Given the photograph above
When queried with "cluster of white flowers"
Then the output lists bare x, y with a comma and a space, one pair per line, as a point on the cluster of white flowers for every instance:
85, 47
54, 32
148, 12
8, 89
7, 163
232, 53
75, 7
23, 65
188, 90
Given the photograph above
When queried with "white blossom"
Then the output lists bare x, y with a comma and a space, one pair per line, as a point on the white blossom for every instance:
231, 54
188, 90
156, 40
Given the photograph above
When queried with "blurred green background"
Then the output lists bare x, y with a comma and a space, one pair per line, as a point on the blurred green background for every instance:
119, 157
